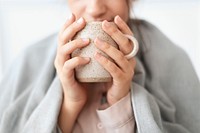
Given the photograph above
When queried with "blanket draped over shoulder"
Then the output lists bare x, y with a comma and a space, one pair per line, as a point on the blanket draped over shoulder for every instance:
165, 90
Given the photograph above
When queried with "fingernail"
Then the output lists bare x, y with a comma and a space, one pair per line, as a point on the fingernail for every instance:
69, 17
80, 20
85, 40
87, 58
118, 18
107, 24
98, 41
97, 55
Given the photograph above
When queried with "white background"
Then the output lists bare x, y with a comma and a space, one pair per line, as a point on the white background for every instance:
23, 22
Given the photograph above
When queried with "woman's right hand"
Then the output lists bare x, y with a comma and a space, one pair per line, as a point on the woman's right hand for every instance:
74, 93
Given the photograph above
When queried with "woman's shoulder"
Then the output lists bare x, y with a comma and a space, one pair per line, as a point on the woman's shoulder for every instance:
28, 77
32, 60
158, 51
153, 41
142, 23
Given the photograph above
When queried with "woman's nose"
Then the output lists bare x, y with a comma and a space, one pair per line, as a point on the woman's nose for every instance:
96, 8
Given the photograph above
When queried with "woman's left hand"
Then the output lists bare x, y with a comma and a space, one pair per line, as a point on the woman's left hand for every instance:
122, 69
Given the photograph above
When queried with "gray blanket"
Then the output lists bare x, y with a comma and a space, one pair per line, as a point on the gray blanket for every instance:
165, 90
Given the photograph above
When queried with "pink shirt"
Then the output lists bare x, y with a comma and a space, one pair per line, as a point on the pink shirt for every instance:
117, 118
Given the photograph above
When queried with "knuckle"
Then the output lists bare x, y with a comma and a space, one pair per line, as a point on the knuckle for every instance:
113, 30
113, 67
77, 60
62, 51
74, 27
119, 75
133, 62
126, 42
77, 42
120, 56
62, 39
66, 66
56, 63
131, 71
104, 60
71, 29
129, 44
106, 46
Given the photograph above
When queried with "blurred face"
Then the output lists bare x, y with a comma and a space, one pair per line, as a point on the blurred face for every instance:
99, 10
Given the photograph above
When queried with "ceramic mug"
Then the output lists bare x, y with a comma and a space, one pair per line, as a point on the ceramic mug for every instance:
93, 71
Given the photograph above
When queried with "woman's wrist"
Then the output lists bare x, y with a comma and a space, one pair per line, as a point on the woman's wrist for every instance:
68, 114
111, 99
72, 105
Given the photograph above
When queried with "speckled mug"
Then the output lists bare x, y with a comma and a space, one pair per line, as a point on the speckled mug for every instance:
92, 72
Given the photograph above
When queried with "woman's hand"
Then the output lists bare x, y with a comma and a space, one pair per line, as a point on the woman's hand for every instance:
65, 65
122, 70
75, 94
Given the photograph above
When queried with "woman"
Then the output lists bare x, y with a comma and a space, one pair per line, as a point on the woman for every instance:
157, 91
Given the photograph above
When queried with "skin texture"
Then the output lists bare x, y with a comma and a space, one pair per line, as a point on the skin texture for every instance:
77, 95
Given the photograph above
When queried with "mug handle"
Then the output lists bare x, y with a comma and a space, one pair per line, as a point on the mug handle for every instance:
135, 46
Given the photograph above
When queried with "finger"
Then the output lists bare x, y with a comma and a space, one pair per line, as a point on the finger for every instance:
133, 63
69, 21
114, 53
131, 67
71, 30
122, 25
67, 49
123, 42
111, 67
71, 64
